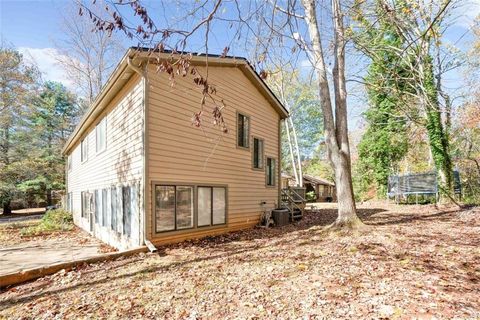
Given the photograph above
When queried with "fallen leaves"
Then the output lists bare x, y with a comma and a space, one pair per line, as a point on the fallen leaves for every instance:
413, 262
10, 234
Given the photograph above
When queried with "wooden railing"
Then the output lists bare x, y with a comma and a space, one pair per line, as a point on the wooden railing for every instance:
293, 198
297, 193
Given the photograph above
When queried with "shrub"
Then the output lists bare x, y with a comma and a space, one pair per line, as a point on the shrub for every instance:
53, 220
311, 196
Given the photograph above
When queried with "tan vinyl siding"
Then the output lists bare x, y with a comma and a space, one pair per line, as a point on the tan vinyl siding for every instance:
121, 163
180, 152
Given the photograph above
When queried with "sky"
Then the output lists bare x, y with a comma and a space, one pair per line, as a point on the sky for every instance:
32, 26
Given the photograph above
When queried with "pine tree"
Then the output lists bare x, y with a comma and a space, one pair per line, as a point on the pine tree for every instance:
18, 82
52, 121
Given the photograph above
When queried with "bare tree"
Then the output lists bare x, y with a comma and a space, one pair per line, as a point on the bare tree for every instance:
292, 156
279, 82
87, 57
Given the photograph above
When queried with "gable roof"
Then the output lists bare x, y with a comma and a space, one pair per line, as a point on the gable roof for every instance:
123, 73
317, 180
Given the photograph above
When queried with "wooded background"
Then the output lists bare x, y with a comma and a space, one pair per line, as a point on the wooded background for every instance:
412, 121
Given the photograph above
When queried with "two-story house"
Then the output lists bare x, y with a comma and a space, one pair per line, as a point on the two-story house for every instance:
139, 171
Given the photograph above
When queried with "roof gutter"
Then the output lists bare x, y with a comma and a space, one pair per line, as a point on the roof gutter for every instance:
93, 111
146, 194
126, 62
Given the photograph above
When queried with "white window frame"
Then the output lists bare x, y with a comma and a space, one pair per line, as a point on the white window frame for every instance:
85, 198
84, 143
101, 125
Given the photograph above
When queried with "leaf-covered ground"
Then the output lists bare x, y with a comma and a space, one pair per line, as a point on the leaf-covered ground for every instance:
412, 261
11, 234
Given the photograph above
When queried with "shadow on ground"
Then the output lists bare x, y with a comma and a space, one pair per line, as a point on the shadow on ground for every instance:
232, 244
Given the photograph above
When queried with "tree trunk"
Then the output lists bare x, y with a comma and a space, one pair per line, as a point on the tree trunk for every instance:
292, 158
6, 208
476, 164
6, 145
336, 130
297, 151
49, 197
344, 188
437, 134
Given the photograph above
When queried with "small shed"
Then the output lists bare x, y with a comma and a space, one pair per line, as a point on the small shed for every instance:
324, 189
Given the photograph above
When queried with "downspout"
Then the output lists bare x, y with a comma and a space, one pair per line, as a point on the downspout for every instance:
279, 181
146, 194
65, 197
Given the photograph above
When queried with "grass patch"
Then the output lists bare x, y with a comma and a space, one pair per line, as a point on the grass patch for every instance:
10, 232
54, 220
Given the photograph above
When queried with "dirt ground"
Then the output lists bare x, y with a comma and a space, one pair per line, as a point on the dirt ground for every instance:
411, 262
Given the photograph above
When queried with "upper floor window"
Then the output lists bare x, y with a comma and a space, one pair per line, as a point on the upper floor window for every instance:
69, 162
243, 130
270, 174
257, 153
101, 135
84, 150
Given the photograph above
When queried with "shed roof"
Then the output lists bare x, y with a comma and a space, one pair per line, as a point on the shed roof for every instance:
317, 180
286, 175
139, 55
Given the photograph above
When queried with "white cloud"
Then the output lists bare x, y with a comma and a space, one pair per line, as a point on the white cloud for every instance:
46, 60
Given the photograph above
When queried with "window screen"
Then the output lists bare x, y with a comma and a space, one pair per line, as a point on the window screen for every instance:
104, 208
165, 208
204, 206
243, 128
113, 208
211, 206
85, 204
270, 172
219, 205
175, 207
84, 149
184, 207
101, 135
257, 153
119, 209
127, 210
98, 206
